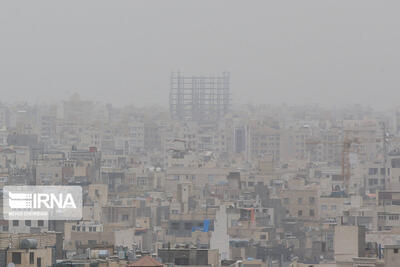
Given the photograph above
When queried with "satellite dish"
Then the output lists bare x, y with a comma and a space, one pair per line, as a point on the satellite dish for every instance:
11, 264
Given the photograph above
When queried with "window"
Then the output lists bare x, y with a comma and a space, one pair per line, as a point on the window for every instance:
16, 257
31, 258
125, 217
286, 201
324, 207
15, 223
312, 213
396, 250
40, 223
300, 200
373, 171
333, 207
395, 163
188, 226
300, 213
28, 223
73, 227
311, 200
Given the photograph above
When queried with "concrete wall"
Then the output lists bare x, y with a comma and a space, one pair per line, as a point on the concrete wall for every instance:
349, 242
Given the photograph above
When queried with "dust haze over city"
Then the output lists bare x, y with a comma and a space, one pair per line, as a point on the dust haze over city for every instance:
199, 133
298, 52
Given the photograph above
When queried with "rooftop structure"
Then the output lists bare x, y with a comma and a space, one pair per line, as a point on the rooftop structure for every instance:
199, 98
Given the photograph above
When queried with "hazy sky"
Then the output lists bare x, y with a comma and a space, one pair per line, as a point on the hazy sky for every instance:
277, 51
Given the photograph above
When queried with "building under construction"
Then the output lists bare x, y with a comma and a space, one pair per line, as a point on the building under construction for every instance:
199, 98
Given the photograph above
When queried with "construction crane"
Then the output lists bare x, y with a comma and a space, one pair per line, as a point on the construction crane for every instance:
346, 149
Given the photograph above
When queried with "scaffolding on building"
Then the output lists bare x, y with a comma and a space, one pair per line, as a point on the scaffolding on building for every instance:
199, 98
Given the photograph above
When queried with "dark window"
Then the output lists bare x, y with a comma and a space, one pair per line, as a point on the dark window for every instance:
16, 257
40, 223
188, 226
395, 163
312, 213
28, 223
300, 213
31, 257
125, 217
396, 250
311, 200
373, 171
15, 223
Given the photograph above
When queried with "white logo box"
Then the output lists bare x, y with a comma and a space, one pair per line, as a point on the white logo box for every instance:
42, 202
